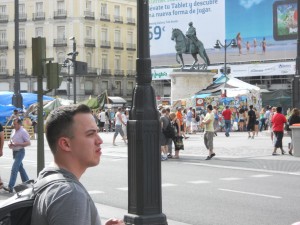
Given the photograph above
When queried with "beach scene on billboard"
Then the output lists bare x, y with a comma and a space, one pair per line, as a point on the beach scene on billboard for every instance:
252, 30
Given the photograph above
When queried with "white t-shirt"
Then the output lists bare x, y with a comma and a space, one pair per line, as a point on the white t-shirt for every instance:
102, 117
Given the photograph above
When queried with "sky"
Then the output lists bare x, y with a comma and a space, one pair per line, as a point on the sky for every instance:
253, 18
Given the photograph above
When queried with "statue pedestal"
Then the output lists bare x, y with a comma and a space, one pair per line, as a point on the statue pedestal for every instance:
184, 84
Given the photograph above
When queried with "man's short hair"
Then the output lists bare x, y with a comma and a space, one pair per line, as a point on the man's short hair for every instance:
60, 123
227, 106
279, 109
209, 107
251, 106
19, 121
168, 110
163, 110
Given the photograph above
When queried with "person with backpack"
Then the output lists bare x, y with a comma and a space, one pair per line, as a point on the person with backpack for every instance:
178, 138
251, 120
72, 136
164, 134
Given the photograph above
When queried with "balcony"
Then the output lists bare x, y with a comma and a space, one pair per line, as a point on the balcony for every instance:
104, 17
3, 72
3, 45
88, 42
88, 15
131, 47
92, 71
22, 72
22, 17
60, 14
105, 44
60, 42
130, 21
118, 45
22, 44
118, 19
38, 16
3, 18
119, 73
105, 72
131, 73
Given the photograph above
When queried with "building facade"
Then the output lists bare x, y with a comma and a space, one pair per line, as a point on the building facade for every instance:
105, 36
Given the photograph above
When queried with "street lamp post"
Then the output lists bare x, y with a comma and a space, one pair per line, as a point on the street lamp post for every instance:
296, 82
219, 45
74, 54
17, 99
144, 162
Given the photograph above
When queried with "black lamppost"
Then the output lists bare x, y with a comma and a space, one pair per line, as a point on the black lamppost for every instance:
74, 54
17, 99
144, 162
219, 45
296, 83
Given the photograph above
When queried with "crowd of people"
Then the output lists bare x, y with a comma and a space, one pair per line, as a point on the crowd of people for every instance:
212, 120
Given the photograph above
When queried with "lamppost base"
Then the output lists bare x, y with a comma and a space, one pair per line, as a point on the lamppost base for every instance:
159, 219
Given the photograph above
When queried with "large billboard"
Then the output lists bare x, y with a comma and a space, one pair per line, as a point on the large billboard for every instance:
264, 29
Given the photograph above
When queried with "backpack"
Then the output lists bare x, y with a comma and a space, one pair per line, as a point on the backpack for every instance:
17, 210
197, 118
169, 131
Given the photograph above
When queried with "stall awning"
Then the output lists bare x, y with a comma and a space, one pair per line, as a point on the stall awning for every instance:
116, 100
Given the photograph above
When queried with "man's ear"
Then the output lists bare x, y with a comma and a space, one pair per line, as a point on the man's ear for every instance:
64, 144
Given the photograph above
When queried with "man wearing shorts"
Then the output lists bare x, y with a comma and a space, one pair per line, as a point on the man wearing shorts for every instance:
251, 122
208, 123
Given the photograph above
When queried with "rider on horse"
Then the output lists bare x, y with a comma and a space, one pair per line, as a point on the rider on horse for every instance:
191, 34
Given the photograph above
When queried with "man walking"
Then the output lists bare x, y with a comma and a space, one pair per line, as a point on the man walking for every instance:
18, 141
251, 122
118, 126
208, 123
227, 119
278, 121
72, 135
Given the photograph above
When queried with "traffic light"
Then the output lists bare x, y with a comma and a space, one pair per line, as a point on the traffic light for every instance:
53, 78
38, 55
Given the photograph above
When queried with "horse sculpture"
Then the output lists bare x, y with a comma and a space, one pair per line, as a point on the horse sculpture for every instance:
186, 46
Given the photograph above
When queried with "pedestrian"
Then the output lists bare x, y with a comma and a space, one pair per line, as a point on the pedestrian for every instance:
227, 119
1, 149
294, 118
179, 116
208, 123
101, 119
272, 113
256, 126
178, 140
262, 119
278, 121
118, 126
164, 121
168, 111
242, 118
18, 141
72, 135
251, 120
189, 116
194, 121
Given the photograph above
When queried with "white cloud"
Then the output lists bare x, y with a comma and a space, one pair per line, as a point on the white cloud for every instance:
249, 3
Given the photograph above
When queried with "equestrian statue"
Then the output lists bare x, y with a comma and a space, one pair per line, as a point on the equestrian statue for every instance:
189, 44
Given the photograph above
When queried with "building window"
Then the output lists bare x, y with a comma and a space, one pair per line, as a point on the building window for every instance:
39, 32
104, 34
104, 85
130, 63
117, 36
22, 34
2, 36
104, 62
88, 88
129, 13
22, 9
88, 32
3, 63
61, 57
22, 62
39, 7
117, 62
61, 6
2, 9
130, 37
103, 10
88, 5
117, 11
89, 59
130, 85
61, 32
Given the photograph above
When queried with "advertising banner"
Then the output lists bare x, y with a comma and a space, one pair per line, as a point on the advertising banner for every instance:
262, 29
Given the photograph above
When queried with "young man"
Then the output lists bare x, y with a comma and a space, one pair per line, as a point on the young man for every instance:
208, 123
278, 121
118, 126
227, 119
251, 122
18, 141
72, 135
